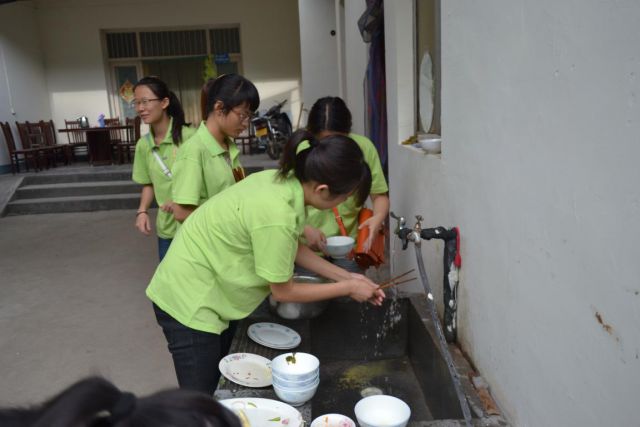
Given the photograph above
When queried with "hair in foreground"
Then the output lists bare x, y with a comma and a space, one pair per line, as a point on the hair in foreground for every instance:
95, 402
174, 110
231, 90
336, 161
329, 114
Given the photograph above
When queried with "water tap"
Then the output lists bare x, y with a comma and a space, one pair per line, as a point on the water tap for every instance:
402, 230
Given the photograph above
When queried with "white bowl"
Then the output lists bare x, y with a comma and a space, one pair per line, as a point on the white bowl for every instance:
339, 246
382, 410
430, 142
296, 397
306, 366
333, 420
294, 384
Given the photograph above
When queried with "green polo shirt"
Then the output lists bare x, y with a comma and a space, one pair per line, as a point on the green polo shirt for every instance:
349, 209
203, 168
147, 170
220, 264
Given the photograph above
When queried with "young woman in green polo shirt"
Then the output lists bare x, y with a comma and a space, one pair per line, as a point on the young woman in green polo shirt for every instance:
241, 245
208, 162
330, 116
156, 151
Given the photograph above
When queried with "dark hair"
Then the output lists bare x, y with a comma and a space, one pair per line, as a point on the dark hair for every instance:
232, 90
95, 402
329, 113
204, 94
335, 160
174, 110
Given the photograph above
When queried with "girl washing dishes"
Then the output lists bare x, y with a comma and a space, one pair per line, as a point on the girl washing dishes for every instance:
208, 162
330, 116
156, 151
241, 245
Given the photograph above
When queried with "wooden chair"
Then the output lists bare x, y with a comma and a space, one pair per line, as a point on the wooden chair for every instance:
29, 155
130, 137
32, 137
77, 140
63, 151
246, 138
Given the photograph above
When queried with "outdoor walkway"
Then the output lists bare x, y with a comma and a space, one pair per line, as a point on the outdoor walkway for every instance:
72, 302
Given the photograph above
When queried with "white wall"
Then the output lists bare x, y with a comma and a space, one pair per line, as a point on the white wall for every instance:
540, 125
74, 59
318, 50
23, 93
356, 50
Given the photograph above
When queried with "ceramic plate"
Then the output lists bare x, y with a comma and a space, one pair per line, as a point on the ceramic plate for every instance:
265, 412
273, 335
249, 370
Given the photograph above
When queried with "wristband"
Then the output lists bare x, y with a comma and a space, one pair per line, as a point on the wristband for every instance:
141, 212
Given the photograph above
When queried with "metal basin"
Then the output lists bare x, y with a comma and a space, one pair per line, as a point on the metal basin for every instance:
299, 310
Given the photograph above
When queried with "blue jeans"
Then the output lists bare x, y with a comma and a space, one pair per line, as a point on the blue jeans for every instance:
195, 354
163, 247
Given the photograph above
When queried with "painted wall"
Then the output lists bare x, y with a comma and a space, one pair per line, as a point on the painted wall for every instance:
356, 50
318, 50
540, 125
75, 69
23, 92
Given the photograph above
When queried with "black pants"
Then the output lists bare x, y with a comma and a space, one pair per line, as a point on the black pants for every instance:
196, 354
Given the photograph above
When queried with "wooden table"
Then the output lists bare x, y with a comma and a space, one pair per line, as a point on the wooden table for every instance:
98, 142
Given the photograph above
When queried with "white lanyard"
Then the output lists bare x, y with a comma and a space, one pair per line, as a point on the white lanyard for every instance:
155, 151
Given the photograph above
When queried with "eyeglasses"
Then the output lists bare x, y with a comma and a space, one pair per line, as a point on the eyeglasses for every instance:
243, 115
144, 102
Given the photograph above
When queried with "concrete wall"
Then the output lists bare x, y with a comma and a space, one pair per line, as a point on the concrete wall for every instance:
76, 75
23, 93
540, 125
356, 50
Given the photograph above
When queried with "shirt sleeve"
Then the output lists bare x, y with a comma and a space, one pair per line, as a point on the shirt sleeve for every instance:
274, 250
140, 168
187, 179
378, 182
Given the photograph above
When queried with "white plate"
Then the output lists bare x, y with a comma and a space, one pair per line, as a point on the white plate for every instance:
273, 335
265, 412
247, 369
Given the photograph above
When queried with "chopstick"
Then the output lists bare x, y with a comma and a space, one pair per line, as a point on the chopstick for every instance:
388, 285
393, 279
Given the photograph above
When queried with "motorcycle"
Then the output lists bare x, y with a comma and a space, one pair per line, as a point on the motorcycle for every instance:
271, 130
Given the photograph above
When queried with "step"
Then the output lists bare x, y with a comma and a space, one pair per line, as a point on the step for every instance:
58, 178
66, 189
73, 204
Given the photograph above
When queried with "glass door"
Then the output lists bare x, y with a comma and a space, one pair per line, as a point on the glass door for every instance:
124, 77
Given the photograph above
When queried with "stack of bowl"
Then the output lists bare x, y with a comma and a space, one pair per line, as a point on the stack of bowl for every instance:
295, 377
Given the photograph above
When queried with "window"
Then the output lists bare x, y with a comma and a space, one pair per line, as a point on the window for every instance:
177, 56
428, 69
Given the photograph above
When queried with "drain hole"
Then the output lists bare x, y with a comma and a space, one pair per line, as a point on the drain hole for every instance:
370, 391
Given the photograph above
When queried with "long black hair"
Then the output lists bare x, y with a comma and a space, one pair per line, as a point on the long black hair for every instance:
231, 90
335, 160
95, 402
174, 110
329, 114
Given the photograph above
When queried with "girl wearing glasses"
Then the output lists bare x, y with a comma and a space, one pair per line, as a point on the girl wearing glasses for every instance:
209, 162
156, 151
241, 245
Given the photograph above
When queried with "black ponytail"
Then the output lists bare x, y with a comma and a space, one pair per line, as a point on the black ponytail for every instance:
329, 114
177, 113
335, 160
174, 110
95, 402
